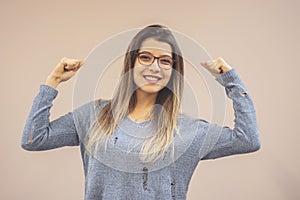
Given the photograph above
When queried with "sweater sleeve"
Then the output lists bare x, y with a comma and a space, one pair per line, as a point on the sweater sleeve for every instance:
41, 134
244, 137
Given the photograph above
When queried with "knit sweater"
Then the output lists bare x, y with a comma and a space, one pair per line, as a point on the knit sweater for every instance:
117, 173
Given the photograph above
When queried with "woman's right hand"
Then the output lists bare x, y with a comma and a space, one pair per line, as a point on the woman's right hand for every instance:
64, 70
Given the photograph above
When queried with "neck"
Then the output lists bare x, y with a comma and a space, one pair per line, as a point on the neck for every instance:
144, 104
145, 100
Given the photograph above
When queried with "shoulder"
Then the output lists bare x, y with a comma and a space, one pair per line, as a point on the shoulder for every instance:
85, 116
187, 122
92, 107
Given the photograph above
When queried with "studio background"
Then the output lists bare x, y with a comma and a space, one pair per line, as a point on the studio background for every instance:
260, 39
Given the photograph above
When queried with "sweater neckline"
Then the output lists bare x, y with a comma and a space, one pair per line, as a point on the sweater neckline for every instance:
142, 124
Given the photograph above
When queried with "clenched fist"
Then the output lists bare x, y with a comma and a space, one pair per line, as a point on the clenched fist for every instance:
217, 66
64, 70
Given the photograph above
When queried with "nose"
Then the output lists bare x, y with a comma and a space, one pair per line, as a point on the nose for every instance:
154, 66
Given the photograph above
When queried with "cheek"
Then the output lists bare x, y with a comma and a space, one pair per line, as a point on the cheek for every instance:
168, 76
137, 74
135, 71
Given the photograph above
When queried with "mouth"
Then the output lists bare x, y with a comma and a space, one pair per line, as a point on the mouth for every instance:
152, 78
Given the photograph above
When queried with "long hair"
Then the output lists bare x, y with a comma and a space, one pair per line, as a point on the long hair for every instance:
124, 100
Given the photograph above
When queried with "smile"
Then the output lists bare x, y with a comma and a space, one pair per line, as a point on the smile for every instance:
151, 78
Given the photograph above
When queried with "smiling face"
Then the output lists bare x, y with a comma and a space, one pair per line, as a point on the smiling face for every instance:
151, 79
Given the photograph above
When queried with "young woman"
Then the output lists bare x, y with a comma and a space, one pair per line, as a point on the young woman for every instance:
138, 145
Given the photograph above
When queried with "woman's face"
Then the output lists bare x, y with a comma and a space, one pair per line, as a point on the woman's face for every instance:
151, 79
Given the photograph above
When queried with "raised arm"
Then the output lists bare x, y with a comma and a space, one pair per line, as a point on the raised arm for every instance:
41, 134
244, 137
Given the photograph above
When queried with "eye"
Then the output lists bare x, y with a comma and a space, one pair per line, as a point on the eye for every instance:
145, 57
166, 61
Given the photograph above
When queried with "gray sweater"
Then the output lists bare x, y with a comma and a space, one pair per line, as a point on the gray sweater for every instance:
117, 172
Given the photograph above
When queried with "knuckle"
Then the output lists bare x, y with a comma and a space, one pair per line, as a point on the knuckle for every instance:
221, 60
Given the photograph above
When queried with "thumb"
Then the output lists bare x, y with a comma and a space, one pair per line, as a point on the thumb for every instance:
206, 64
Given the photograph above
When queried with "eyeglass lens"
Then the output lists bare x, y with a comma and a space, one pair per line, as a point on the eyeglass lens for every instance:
147, 59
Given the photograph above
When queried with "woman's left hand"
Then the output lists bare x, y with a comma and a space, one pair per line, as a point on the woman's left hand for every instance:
217, 66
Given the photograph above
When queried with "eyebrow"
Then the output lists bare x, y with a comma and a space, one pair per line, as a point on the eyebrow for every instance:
152, 54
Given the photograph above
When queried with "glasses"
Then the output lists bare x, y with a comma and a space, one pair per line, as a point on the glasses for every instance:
164, 62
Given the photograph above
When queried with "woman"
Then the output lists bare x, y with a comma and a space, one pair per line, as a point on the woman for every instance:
145, 109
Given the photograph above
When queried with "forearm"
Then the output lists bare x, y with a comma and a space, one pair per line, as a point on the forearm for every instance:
245, 123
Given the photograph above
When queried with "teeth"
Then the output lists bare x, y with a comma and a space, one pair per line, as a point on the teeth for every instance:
151, 78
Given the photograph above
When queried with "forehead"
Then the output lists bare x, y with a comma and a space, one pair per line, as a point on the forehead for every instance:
157, 48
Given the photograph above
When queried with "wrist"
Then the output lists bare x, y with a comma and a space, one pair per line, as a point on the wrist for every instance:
52, 81
225, 68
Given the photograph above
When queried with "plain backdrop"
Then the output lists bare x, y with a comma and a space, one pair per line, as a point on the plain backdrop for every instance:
260, 39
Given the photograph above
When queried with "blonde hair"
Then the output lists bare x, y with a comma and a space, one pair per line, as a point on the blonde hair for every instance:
124, 100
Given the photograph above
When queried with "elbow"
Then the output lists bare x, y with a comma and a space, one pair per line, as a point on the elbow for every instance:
27, 147
30, 145
256, 142
255, 145
250, 141
249, 145
26, 143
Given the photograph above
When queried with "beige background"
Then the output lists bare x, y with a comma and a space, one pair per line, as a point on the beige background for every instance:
258, 38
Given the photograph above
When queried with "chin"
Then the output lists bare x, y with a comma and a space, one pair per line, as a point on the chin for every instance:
150, 89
